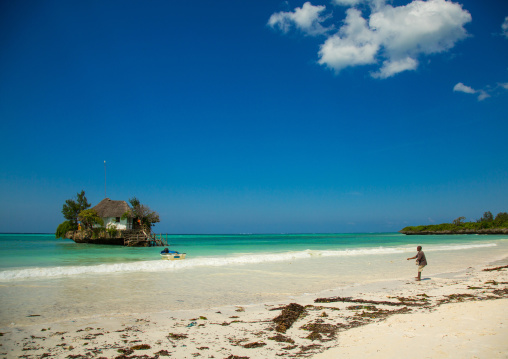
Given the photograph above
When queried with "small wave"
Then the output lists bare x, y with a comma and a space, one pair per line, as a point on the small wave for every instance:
458, 247
164, 265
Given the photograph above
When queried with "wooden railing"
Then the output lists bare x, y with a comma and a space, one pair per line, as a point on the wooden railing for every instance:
141, 238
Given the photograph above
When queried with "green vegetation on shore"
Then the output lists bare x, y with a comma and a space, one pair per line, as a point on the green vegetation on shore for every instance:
71, 211
486, 223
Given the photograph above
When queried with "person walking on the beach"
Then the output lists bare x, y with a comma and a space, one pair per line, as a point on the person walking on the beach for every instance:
421, 261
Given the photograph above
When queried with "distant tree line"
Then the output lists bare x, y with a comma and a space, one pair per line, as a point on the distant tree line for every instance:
488, 221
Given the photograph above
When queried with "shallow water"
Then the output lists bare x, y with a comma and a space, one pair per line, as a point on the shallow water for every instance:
242, 270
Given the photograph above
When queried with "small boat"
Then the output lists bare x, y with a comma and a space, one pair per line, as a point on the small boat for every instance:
172, 255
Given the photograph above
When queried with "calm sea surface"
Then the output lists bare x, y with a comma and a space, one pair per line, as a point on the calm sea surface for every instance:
41, 274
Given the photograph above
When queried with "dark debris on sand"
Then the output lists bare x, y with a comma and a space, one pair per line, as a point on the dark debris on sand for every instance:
289, 315
254, 345
402, 301
282, 339
495, 268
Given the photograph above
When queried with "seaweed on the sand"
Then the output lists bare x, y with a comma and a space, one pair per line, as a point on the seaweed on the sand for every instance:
413, 301
123, 356
353, 324
163, 353
290, 347
289, 315
282, 339
364, 307
314, 336
141, 347
177, 336
306, 348
454, 298
404, 301
254, 345
501, 292
125, 351
495, 268
319, 329
381, 313
328, 329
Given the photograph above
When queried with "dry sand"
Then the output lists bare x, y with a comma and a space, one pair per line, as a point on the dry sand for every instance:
455, 315
461, 330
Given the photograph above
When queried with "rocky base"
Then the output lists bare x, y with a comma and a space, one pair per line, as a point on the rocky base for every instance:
101, 238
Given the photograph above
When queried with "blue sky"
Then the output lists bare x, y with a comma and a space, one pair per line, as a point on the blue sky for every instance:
261, 117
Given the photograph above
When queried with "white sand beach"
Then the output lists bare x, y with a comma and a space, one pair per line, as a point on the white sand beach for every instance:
460, 330
453, 315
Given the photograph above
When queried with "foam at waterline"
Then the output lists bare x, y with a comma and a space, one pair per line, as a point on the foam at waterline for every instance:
462, 246
165, 265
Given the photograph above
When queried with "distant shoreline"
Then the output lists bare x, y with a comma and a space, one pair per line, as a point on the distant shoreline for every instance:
489, 231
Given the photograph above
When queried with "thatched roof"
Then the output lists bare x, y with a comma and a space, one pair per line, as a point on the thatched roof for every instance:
109, 208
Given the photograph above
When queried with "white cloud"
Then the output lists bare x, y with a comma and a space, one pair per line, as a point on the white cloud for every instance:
307, 19
397, 36
419, 27
353, 45
504, 26
460, 87
393, 67
483, 95
505, 86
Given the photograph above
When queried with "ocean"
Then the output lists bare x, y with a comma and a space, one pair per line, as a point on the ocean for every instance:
64, 280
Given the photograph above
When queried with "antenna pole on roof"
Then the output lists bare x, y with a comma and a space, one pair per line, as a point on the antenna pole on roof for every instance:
105, 180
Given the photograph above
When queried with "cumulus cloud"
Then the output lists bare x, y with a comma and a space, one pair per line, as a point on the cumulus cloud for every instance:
352, 45
395, 36
393, 67
307, 18
504, 26
487, 92
482, 95
460, 87
419, 27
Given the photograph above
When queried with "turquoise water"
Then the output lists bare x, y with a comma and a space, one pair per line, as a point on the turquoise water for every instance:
21, 251
63, 279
